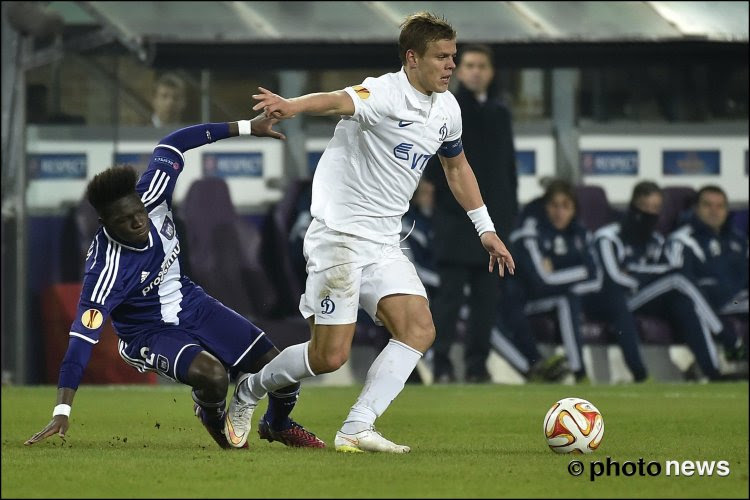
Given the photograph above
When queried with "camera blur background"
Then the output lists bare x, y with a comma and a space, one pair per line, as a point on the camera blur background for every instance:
601, 93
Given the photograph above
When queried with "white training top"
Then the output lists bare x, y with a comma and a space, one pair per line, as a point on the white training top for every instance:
370, 168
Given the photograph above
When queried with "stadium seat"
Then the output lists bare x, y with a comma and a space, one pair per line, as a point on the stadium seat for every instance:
594, 210
677, 201
739, 220
225, 251
654, 330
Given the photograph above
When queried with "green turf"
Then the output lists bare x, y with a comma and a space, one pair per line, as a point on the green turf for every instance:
467, 441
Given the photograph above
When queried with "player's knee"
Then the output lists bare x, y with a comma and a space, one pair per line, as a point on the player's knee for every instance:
212, 375
327, 362
425, 334
425, 328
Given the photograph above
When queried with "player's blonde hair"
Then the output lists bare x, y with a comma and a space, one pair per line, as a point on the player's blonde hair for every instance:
421, 28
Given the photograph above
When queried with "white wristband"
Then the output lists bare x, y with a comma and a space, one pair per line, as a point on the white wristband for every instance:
61, 410
481, 219
244, 126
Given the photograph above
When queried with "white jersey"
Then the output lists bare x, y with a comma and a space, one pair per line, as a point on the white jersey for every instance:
370, 168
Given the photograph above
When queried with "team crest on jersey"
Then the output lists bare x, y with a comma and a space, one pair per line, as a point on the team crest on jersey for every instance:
560, 247
92, 319
714, 247
328, 305
361, 91
167, 229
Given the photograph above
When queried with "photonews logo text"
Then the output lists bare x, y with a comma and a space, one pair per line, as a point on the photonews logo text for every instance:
672, 468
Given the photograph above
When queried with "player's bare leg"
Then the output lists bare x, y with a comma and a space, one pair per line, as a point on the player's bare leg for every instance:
210, 381
330, 346
408, 319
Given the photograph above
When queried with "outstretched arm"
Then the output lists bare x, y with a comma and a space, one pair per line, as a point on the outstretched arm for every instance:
321, 103
71, 371
195, 136
463, 185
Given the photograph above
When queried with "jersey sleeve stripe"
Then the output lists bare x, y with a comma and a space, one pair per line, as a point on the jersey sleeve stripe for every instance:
87, 339
612, 267
563, 277
114, 275
151, 186
156, 188
96, 252
102, 273
113, 261
108, 276
182, 157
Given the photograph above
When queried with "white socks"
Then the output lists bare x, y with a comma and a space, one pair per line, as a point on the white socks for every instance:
289, 367
385, 380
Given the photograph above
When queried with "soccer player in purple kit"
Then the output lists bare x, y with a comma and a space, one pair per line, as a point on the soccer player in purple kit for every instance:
164, 321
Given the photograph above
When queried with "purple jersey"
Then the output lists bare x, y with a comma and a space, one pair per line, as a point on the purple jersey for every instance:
139, 288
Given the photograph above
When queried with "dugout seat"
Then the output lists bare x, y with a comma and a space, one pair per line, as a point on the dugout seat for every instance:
594, 210
739, 220
677, 201
225, 256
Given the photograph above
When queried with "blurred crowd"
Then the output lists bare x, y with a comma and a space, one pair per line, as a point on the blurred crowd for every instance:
693, 279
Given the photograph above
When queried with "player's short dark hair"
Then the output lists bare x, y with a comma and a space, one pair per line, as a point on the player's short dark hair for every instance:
478, 48
643, 189
710, 188
111, 185
421, 28
560, 186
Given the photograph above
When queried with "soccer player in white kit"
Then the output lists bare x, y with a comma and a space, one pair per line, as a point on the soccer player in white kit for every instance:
390, 127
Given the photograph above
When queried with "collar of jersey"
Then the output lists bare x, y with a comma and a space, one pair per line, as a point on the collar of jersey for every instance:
415, 97
115, 240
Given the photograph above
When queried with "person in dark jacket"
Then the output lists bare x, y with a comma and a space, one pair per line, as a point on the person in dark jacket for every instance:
553, 248
638, 276
712, 254
461, 261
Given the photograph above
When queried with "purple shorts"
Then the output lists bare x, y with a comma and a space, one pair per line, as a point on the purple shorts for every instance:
169, 350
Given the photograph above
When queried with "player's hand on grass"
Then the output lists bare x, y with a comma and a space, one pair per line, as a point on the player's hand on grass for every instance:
58, 425
262, 126
498, 253
273, 105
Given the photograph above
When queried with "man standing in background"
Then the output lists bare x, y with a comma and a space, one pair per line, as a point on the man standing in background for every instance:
488, 142
168, 101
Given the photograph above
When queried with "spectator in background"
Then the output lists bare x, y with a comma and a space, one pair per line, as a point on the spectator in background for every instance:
416, 225
636, 273
712, 254
461, 260
168, 101
553, 248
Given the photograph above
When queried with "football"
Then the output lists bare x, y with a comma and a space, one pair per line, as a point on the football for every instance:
573, 425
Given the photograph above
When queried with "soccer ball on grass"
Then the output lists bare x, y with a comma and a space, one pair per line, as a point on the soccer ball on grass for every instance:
573, 425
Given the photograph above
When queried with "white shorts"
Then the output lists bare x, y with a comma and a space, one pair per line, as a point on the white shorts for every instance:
345, 272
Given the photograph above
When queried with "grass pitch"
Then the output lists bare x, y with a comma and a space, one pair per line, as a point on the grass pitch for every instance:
467, 441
